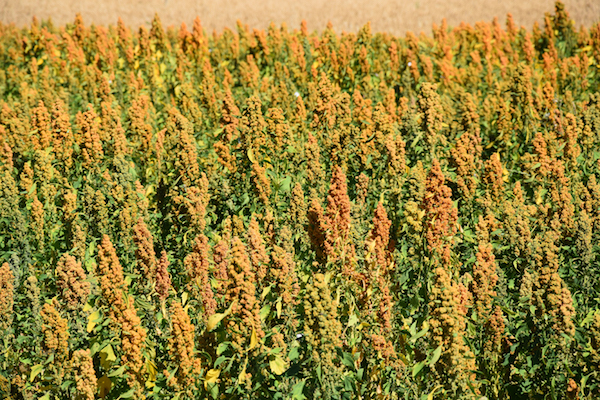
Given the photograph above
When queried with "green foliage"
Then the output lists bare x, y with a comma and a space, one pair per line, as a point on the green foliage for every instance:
296, 215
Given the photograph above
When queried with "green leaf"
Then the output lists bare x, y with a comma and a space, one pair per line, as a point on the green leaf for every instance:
417, 368
297, 390
104, 385
435, 356
348, 361
353, 320
588, 318
294, 353
107, 357
127, 395
117, 372
214, 320
93, 319
211, 377
278, 365
264, 312
35, 371
286, 184
253, 340
220, 361
221, 348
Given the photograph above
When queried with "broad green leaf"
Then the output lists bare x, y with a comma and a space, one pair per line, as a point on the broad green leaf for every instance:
35, 371
265, 292
251, 156
417, 368
211, 377
297, 391
436, 356
278, 365
348, 361
152, 370
243, 376
264, 312
104, 385
127, 395
184, 298
353, 320
253, 340
435, 389
221, 348
214, 320
588, 318
107, 357
119, 371
93, 319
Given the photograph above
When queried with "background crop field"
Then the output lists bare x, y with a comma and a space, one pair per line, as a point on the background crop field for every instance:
391, 16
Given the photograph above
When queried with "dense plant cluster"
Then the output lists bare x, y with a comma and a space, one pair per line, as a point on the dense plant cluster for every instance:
288, 215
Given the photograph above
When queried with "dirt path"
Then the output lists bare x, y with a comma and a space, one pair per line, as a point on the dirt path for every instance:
394, 16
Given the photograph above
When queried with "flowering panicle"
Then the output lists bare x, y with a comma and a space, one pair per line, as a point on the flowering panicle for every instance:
253, 125
448, 324
297, 210
163, 279
40, 120
195, 201
89, 137
138, 114
230, 115
550, 294
110, 273
484, 280
278, 129
380, 234
516, 221
262, 184
181, 347
241, 293
62, 134
55, 329
221, 254
181, 137
78, 239
337, 216
33, 293
317, 228
314, 170
440, 215
258, 253
493, 176
322, 327
112, 130
144, 252
466, 155
362, 190
84, 375
72, 282
132, 337
572, 133
7, 285
38, 216
584, 237
283, 272
198, 267
431, 117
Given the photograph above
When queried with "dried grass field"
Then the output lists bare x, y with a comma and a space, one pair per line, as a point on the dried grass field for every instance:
393, 16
